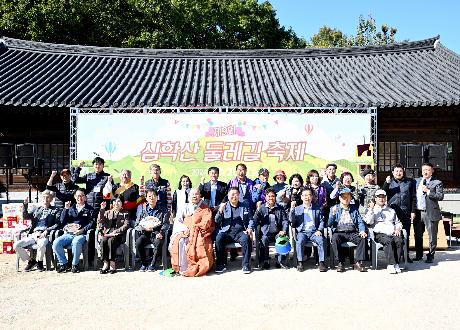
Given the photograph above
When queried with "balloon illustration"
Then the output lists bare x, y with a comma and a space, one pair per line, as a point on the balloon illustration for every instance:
308, 128
110, 147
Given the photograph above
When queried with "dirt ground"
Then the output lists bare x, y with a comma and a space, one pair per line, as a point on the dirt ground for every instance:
423, 297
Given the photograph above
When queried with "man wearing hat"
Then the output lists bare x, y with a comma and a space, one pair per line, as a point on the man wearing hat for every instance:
367, 192
307, 219
260, 184
387, 229
347, 226
64, 190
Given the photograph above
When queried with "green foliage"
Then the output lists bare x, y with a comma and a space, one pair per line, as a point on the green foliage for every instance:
219, 24
366, 35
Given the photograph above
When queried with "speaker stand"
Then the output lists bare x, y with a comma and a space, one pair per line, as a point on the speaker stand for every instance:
29, 179
7, 185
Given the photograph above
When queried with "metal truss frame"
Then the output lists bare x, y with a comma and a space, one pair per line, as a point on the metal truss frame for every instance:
372, 111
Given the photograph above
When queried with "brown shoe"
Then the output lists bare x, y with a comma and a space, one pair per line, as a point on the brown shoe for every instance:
359, 267
340, 267
322, 267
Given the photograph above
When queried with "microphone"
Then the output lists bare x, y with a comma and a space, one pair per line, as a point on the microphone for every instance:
424, 183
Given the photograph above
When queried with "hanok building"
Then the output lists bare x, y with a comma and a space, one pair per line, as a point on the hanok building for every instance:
414, 87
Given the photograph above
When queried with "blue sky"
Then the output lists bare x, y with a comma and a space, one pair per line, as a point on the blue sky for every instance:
414, 19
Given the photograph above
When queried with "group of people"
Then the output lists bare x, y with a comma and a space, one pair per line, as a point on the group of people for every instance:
200, 222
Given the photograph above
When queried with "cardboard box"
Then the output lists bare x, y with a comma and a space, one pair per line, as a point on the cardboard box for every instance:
6, 247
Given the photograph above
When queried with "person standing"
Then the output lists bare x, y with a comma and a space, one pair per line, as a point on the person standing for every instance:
329, 182
400, 192
213, 191
64, 190
244, 186
162, 188
429, 193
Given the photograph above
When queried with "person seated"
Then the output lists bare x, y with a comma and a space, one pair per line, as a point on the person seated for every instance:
64, 190
347, 226
387, 230
113, 225
191, 245
44, 219
236, 224
307, 219
181, 195
76, 220
260, 185
127, 190
153, 223
273, 223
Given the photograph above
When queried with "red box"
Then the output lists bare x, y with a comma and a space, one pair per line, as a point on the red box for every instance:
7, 247
12, 222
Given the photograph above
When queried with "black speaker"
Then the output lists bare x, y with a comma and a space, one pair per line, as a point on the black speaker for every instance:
437, 155
26, 155
6, 155
411, 155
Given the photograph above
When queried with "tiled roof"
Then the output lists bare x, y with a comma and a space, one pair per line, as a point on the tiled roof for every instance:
421, 73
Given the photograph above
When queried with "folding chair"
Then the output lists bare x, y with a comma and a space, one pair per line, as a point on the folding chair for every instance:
32, 248
89, 237
123, 249
134, 234
293, 238
345, 245
375, 247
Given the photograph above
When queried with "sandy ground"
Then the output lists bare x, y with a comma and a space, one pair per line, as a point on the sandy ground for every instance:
423, 297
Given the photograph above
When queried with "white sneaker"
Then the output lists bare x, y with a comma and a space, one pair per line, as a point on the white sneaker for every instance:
398, 270
391, 269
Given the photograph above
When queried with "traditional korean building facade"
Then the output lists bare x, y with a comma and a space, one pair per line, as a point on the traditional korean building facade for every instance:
415, 87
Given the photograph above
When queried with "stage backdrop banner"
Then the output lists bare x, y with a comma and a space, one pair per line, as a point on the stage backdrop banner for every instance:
189, 143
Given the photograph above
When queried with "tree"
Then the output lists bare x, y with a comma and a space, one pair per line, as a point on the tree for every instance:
220, 24
366, 34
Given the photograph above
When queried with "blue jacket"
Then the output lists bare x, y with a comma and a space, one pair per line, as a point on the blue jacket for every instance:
261, 217
259, 194
296, 217
336, 212
85, 218
244, 218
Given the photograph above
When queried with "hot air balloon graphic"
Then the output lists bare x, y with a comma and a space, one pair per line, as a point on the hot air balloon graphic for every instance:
308, 128
110, 147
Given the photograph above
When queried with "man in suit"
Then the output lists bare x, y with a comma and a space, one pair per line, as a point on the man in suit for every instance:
429, 192
213, 191
82, 218
307, 219
244, 185
44, 219
273, 223
236, 224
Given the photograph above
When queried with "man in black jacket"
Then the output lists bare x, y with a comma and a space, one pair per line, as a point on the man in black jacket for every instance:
213, 191
44, 219
64, 190
401, 197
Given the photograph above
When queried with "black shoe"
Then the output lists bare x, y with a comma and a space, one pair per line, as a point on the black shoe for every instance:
40, 266
340, 267
429, 259
299, 266
30, 265
322, 267
104, 271
75, 269
266, 265
61, 268
113, 271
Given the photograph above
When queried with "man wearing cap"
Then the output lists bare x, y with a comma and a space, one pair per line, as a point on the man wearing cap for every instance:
307, 219
367, 192
347, 226
429, 193
95, 182
44, 219
260, 184
387, 229
64, 190
401, 197
273, 223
